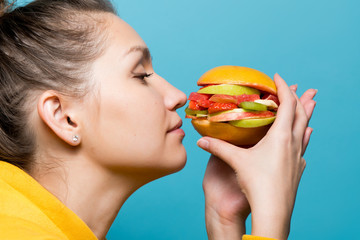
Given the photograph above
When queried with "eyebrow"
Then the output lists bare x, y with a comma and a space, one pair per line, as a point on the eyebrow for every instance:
145, 51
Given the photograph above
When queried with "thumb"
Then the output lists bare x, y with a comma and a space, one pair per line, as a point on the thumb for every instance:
227, 152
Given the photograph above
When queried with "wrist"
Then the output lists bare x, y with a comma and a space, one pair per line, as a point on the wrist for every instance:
271, 221
225, 214
219, 227
271, 217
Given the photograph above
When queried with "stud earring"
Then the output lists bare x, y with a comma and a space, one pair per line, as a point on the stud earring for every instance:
75, 138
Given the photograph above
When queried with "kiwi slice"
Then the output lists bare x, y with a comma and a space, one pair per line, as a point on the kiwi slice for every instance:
195, 112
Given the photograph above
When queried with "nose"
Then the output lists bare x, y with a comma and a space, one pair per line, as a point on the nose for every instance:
173, 97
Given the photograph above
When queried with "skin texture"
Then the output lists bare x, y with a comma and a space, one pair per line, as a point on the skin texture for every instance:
263, 178
124, 127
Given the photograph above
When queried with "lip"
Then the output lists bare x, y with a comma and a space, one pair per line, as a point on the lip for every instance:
177, 126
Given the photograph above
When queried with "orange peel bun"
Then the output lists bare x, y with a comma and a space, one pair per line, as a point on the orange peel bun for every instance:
238, 76
235, 135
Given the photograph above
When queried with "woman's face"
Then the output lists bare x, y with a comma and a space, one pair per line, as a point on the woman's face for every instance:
130, 122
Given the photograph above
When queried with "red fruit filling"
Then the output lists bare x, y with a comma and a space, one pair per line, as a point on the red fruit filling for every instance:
198, 96
222, 102
269, 96
195, 106
217, 107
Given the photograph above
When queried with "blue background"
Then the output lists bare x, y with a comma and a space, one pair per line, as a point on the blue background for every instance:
312, 43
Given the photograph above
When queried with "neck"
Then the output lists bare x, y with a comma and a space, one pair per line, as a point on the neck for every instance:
82, 185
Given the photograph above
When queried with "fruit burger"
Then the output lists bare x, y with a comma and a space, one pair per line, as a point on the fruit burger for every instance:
235, 104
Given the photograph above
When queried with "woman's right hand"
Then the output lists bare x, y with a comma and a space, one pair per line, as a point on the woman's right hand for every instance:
269, 173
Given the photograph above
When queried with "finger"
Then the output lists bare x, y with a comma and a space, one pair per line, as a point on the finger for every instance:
294, 87
309, 108
300, 122
307, 101
306, 139
308, 105
225, 151
286, 111
303, 163
308, 95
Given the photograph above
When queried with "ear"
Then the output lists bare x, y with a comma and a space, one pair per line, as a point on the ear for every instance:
55, 111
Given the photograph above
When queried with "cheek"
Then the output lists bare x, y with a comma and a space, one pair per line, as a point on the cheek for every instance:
129, 134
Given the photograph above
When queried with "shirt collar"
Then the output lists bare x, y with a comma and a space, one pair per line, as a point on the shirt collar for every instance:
65, 219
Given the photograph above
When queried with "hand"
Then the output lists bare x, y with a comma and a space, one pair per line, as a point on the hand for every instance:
223, 196
268, 173
226, 206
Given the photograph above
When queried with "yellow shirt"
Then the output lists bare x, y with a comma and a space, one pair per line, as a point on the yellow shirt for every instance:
28, 211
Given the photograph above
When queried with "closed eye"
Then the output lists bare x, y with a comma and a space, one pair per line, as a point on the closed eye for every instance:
143, 77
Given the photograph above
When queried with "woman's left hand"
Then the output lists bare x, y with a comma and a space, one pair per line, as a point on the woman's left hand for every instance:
226, 207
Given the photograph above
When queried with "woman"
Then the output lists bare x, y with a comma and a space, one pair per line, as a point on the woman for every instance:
76, 86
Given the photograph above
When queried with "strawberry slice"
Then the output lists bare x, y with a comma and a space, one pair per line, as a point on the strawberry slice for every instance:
198, 96
247, 98
269, 96
223, 98
204, 103
217, 107
193, 105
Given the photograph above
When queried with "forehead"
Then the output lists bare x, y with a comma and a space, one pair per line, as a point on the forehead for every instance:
122, 36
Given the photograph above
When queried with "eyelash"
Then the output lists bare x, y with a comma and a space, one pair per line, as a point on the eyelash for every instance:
143, 76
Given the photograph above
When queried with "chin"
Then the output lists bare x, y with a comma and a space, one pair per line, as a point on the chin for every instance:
165, 170
176, 160
157, 165
173, 161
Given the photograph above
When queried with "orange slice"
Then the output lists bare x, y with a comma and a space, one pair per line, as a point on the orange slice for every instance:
238, 76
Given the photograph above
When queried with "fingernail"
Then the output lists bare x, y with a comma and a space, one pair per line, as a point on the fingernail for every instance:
294, 87
277, 74
316, 90
204, 144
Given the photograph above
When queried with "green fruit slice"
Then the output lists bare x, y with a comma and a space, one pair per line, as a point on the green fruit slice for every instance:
229, 90
252, 123
195, 112
253, 106
268, 103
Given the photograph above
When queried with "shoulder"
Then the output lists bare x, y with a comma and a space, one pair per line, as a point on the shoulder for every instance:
13, 228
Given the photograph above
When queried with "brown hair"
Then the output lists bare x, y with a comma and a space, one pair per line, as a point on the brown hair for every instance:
43, 45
